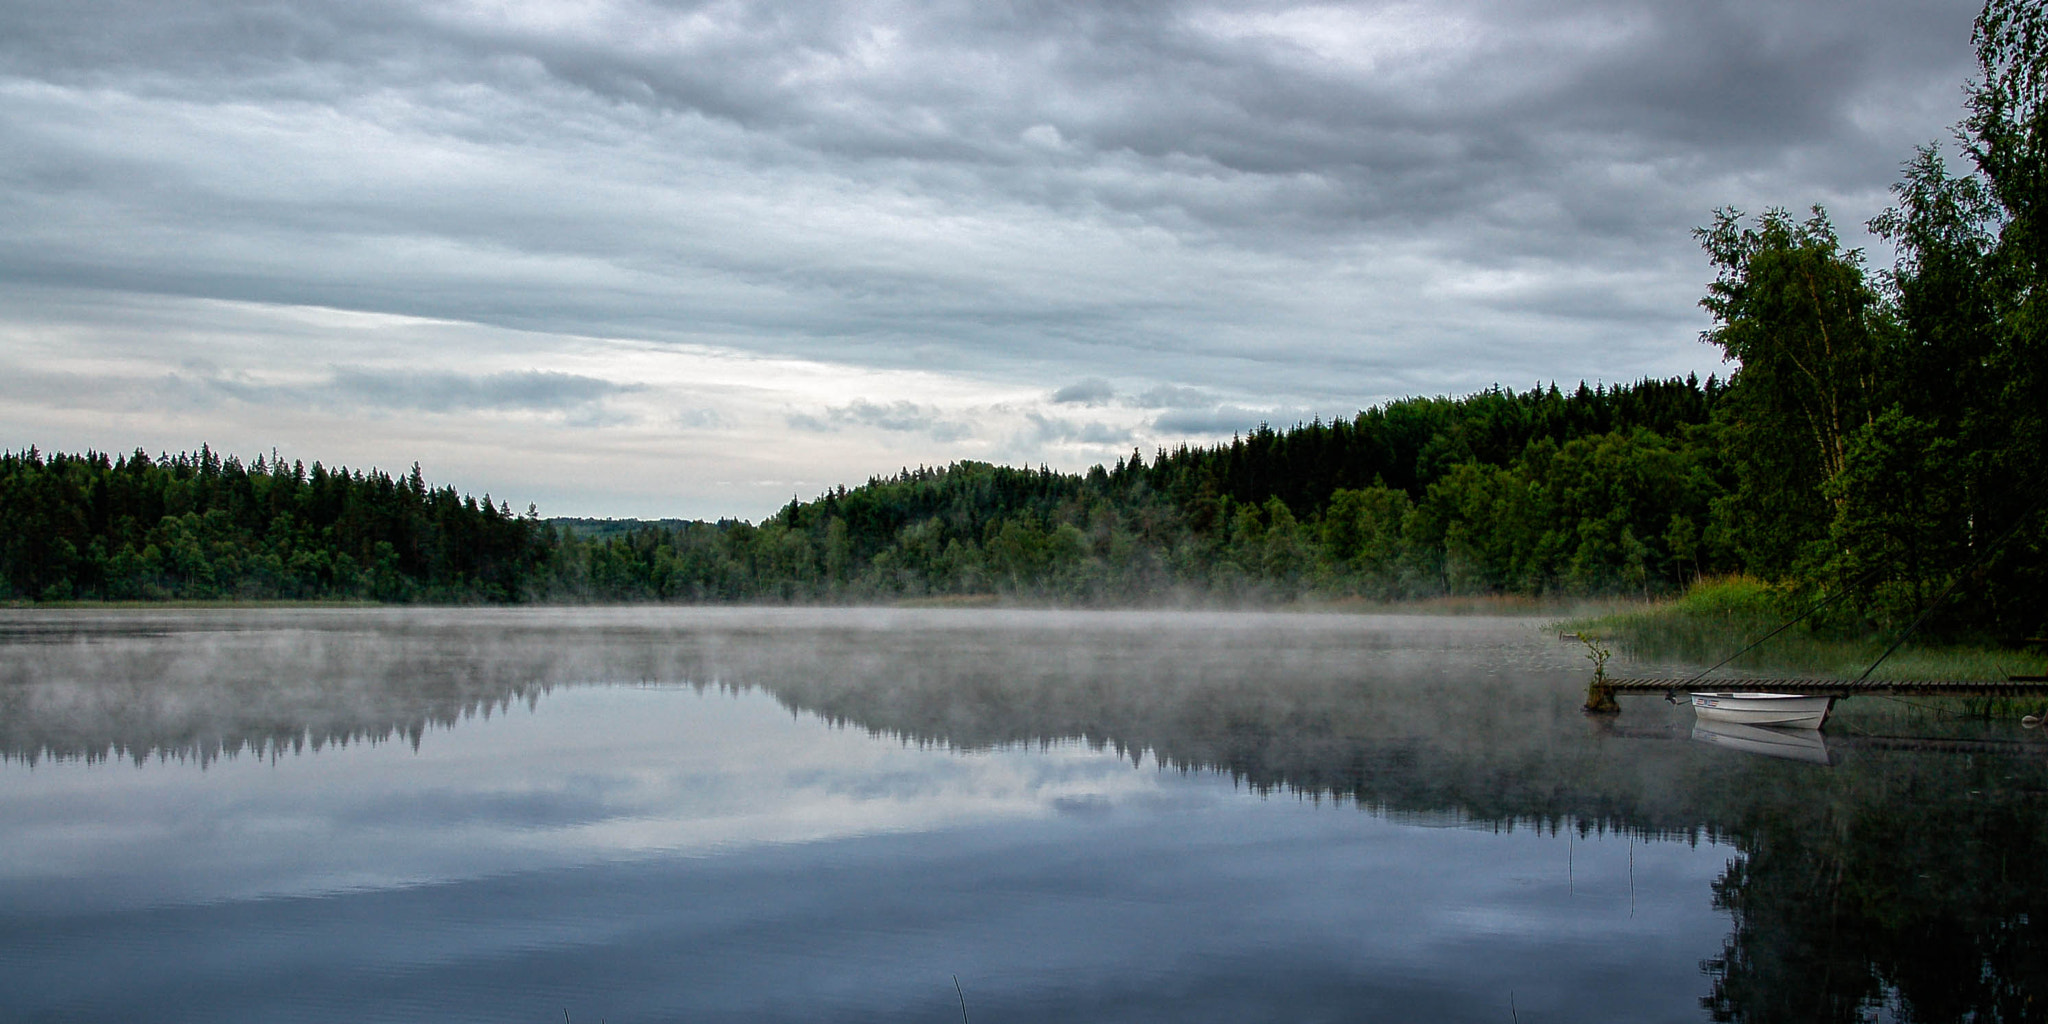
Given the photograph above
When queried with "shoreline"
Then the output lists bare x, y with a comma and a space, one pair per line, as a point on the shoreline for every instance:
1515, 606
1719, 617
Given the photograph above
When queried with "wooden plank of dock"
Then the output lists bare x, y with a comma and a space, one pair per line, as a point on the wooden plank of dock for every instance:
1844, 687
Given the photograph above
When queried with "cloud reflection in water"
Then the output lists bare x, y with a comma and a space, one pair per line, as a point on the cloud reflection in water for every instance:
849, 809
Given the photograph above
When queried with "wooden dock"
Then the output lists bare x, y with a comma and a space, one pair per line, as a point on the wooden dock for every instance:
1600, 694
1842, 687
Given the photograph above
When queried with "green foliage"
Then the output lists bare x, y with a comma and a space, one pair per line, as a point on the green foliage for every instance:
1896, 522
1276, 515
203, 527
1970, 289
1734, 599
1531, 493
1888, 437
1720, 615
1793, 308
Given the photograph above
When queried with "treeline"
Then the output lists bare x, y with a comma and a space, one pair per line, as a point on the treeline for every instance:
1884, 438
1538, 491
1532, 492
1630, 489
1494, 492
201, 526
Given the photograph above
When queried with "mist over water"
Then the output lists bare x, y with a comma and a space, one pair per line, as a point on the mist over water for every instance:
744, 814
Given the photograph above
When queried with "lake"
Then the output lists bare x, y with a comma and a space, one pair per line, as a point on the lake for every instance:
878, 815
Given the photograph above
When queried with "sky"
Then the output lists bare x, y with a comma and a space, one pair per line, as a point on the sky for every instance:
649, 259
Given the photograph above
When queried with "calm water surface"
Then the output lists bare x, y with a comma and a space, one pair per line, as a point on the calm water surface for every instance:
705, 815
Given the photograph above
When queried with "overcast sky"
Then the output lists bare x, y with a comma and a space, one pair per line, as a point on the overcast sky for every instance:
634, 258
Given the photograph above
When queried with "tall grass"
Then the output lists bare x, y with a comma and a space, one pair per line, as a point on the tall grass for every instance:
1718, 617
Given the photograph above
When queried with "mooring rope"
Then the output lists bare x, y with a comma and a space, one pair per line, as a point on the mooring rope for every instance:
1838, 595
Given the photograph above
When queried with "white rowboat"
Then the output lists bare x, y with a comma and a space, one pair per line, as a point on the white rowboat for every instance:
1793, 710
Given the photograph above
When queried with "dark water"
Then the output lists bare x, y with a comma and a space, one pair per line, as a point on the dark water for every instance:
828, 816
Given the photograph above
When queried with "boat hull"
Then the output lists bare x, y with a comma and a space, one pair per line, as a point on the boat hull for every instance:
1785, 710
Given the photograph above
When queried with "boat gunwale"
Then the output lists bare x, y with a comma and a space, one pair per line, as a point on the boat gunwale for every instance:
1759, 695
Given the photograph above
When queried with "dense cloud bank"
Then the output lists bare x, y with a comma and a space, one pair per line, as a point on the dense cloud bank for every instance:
997, 213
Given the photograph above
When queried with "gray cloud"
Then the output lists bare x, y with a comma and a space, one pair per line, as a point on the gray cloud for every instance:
578, 399
898, 417
1224, 419
1090, 391
1291, 205
1167, 396
1056, 430
698, 419
444, 392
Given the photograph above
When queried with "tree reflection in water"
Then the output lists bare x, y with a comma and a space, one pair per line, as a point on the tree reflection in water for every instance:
1904, 880
1907, 880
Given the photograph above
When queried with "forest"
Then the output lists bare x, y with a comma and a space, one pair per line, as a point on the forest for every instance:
1532, 492
1883, 436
